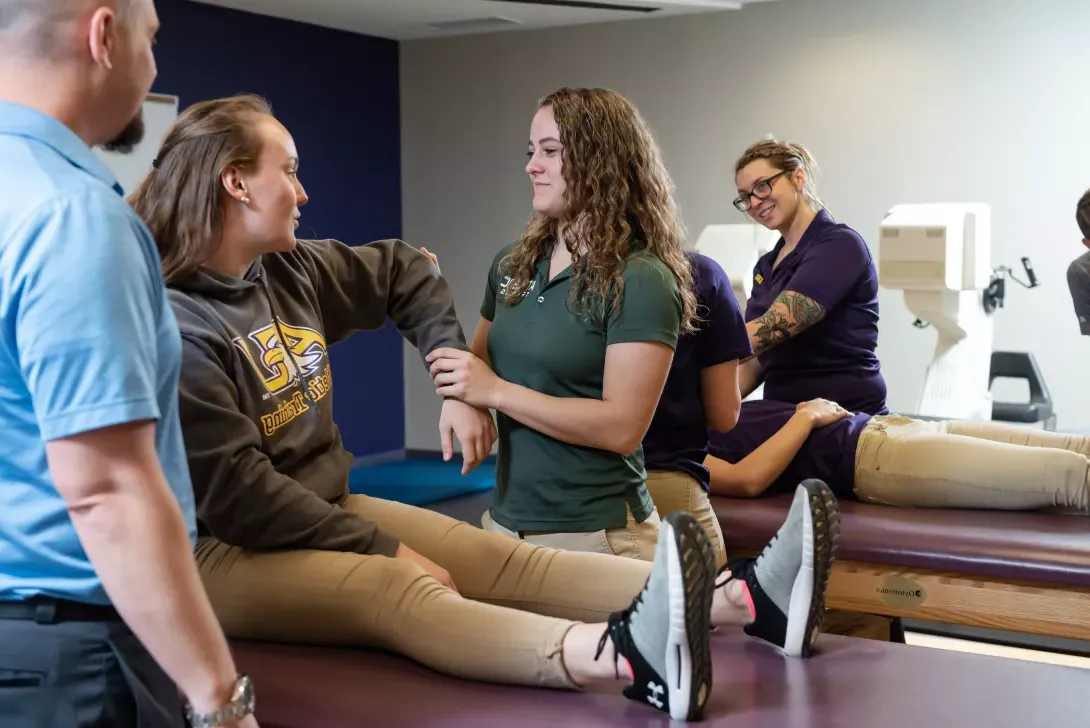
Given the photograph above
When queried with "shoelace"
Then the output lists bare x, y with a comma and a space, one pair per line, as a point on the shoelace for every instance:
620, 640
736, 566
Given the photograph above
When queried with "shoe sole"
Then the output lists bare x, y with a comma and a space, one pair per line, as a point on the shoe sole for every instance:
691, 579
821, 529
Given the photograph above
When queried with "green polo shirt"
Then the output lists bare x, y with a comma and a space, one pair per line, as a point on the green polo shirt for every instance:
543, 484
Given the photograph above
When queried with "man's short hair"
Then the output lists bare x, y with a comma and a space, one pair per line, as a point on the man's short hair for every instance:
1082, 215
40, 27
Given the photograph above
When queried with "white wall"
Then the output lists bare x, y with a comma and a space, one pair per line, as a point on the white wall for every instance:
910, 101
160, 111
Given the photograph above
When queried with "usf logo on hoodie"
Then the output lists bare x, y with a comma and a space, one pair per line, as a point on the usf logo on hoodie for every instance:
279, 370
279, 364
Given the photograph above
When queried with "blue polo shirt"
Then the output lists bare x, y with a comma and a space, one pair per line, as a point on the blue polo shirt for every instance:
87, 340
678, 436
835, 358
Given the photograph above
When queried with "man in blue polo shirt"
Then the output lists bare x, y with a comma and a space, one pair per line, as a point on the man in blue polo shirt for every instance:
102, 614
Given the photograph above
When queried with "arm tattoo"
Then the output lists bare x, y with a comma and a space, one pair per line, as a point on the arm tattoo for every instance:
790, 314
772, 328
805, 311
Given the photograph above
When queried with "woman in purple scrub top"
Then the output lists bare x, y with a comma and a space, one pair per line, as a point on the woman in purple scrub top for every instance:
701, 394
812, 315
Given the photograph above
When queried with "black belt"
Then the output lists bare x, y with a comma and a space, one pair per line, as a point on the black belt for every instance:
52, 611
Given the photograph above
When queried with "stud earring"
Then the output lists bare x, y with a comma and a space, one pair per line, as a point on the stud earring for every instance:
245, 200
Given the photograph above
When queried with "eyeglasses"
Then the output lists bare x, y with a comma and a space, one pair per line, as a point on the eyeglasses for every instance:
761, 191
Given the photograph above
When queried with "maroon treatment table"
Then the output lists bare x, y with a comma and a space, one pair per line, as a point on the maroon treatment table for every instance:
848, 683
1023, 572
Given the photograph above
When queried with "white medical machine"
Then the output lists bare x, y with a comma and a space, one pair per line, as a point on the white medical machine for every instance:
737, 248
939, 255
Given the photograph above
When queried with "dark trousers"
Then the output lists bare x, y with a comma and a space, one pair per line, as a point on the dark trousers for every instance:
78, 673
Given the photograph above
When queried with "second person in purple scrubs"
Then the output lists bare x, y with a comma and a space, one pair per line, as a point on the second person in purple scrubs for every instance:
701, 393
812, 315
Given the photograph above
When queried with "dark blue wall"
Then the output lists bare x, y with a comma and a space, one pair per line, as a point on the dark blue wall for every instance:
337, 93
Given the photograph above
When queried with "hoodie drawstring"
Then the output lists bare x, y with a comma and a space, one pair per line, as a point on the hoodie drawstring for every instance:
284, 343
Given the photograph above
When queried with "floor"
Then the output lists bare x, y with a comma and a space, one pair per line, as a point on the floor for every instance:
983, 648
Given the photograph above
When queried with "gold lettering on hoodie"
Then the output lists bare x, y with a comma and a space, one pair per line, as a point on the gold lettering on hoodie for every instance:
281, 372
285, 413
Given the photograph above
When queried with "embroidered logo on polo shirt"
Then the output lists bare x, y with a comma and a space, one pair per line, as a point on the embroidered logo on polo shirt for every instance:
507, 281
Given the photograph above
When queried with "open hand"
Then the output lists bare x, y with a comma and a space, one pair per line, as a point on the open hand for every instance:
461, 375
823, 412
474, 428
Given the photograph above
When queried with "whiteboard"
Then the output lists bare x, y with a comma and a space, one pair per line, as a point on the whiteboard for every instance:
160, 111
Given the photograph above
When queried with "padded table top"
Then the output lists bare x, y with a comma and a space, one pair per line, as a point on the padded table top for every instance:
1000, 544
848, 683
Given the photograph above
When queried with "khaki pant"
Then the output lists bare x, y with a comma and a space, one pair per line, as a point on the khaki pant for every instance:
971, 464
673, 491
507, 625
634, 541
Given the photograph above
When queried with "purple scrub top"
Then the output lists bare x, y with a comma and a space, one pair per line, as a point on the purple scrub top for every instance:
678, 437
834, 359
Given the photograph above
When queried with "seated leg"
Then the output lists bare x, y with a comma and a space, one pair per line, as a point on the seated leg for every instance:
493, 568
632, 541
660, 640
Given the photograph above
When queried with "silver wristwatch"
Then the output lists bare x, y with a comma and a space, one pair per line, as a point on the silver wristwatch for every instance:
241, 705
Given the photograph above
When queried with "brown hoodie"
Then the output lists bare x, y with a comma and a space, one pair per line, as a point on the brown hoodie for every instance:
268, 466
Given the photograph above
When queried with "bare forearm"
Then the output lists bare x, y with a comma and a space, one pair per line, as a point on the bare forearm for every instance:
137, 541
762, 466
578, 421
750, 376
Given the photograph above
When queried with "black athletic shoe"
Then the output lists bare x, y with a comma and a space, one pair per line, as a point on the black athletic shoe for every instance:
787, 582
664, 634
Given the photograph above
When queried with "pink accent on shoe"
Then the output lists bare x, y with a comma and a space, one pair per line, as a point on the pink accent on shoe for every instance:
749, 601
628, 667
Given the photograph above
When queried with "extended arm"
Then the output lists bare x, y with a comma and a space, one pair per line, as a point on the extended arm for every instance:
360, 286
754, 473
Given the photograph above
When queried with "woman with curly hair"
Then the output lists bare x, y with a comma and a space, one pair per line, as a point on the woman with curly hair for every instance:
287, 554
578, 328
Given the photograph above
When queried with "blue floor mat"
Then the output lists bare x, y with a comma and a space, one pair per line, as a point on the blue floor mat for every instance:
420, 482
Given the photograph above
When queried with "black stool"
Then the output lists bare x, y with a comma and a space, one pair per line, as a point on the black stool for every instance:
1022, 365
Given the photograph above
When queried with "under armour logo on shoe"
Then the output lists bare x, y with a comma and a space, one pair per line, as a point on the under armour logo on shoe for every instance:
653, 695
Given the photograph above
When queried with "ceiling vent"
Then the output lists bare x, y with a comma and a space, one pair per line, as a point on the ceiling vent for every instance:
629, 6
476, 25
585, 5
